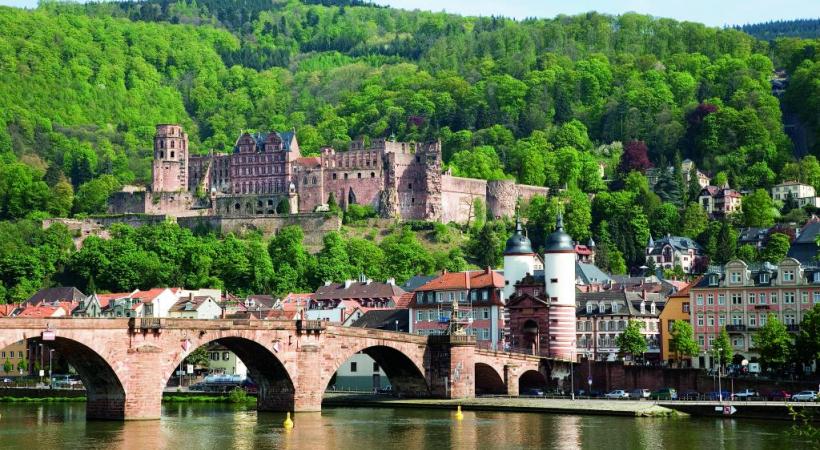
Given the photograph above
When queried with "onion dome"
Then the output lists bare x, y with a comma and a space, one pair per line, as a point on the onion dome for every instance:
518, 243
558, 241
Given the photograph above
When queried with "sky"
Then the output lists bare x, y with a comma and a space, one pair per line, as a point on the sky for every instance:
710, 12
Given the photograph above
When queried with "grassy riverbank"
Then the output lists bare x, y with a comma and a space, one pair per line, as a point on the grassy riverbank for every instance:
8, 399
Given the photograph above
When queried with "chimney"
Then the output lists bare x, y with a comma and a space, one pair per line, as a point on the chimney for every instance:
327, 282
348, 283
391, 281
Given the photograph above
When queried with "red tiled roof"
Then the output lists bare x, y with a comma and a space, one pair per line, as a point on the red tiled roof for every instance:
105, 299
685, 291
149, 295
6, 310
582, 250
404, 300
458, 280
39, 311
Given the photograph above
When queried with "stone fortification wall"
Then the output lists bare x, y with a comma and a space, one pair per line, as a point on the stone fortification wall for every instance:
502, 196
527, 192
314, 225
458, 195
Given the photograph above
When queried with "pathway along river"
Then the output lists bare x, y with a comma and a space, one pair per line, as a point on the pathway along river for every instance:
202, 426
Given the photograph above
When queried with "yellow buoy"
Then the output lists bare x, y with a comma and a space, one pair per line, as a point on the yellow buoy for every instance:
459, 414
288, 423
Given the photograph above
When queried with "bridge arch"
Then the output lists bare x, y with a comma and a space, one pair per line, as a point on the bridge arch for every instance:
403, 367
531, 379
275, 385
488, 380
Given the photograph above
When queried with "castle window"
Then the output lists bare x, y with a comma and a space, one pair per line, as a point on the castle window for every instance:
334, 176
412, 200
409, 185
314, 180
172, 144
172, 153
161, 144
162, 155
236, 206
373, 175
418, 159
359, 175
345, 176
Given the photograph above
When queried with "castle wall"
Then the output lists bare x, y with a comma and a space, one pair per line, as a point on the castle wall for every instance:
314, 225
527, 192
458, 196
249, 205
309, 184
365, 185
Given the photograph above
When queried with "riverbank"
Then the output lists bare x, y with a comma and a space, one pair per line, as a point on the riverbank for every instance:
33, 395
511, 404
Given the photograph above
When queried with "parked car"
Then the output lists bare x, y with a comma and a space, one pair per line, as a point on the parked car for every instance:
197, 387
805, 396
638, 394
690, 395
715, 395
778, 395
664, 394
745, 394
617, 394
534, 392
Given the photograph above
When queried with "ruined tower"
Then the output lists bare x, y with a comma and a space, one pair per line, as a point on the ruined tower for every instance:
170, 168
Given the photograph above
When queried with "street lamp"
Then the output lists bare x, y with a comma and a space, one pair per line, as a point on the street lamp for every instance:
41, 362
50, 378
719, 350
397, 325
572, 373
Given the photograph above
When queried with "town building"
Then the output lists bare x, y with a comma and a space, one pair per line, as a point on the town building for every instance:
196, 307
653, 174
802, 194
345, 302
603, 316
14, 354
222, 361
754, 236
677, 308
480, 296
719, 202
804, 248
265, 174
672, 251
740, 297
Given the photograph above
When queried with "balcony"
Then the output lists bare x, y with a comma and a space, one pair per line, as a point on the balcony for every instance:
764, 307
731, 328
793, 327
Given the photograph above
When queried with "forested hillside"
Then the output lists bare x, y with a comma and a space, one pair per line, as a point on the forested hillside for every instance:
545, 101
769, 31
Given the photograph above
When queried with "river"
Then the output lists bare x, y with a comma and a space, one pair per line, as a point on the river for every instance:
219, 426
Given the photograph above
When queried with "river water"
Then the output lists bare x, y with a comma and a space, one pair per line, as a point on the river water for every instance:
195, 426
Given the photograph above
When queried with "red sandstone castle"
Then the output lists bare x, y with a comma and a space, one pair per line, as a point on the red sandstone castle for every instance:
265, 174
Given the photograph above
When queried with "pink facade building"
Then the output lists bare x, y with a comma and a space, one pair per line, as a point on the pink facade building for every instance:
742, 297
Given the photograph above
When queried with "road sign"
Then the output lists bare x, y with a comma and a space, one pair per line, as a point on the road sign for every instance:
49, 335
727, 410
589, 381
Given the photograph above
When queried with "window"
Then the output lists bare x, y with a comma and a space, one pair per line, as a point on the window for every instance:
375, 367
764, 278
789, 319
736, 298
804, 297
752, 320
485, 295
699, 300
762, 298
701, 340
737, 319
354, 366
788, 297
438, 297
713, 280
589, 308
333, 176
710, 321
226, 356
409, 185
700, 321
485, 313
721, 299
432, 316
214, 356
685, 307
553, 280
816, 277
816, 297
711, 340
774, 298
721, 320
752, 298
372, 175
419, 316
710, 299
737, 342
735, 277
788, 275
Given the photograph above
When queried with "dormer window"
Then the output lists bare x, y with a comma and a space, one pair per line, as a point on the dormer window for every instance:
652, 309
713, 280
788, 275
764, 278
735, 277
816, 277
589, 308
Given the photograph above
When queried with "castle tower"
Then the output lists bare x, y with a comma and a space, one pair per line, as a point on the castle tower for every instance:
559, 279
519, 259
170, 168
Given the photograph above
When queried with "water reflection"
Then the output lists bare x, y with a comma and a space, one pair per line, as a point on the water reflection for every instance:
224, 426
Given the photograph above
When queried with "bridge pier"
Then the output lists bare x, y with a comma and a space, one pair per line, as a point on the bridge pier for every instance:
451, 366
308, 381
511, 378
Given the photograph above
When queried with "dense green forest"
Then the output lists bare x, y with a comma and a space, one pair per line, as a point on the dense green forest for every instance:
769, 31
544, 101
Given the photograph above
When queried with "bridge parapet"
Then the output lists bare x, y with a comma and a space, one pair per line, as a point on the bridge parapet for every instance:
451, 339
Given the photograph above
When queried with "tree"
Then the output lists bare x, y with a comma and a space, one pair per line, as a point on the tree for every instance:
486, 245
682, 340
92, 197
807, 344
722, 348
199, 358
776, 247
748, 253
726, 243
758, 210
694, 221
665, 220
635, 157
631, 340
22, 366
774, 344
8, 366
480, 162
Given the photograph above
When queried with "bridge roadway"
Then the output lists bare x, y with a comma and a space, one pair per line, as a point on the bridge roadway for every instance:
125, 363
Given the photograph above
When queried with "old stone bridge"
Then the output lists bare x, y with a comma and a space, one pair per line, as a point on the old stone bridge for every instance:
126, 363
